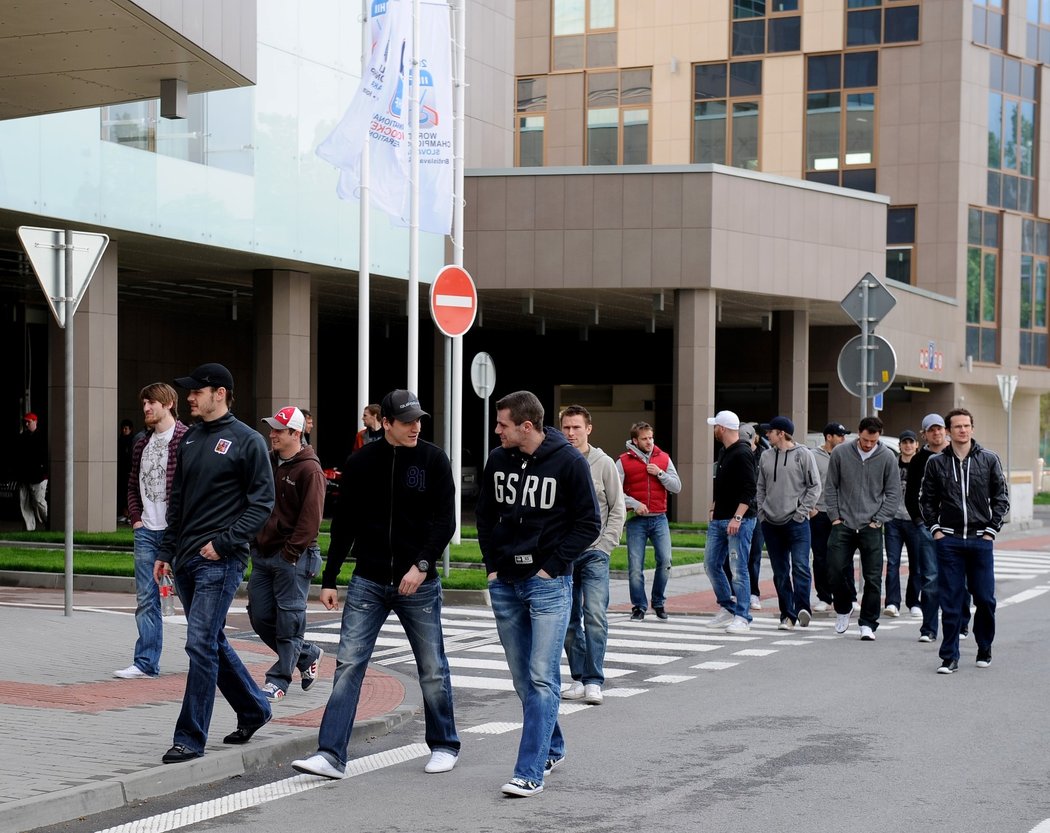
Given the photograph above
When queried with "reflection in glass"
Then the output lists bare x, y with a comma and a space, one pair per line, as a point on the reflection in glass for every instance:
602, 139
636, 137
863, 28
530, 141
822, 131
1027, 138
785, 34
898, 265
568, 17
902, 25
745, 135
1026, 292
709, 132
988, 295
603, 14
636, 86
745, 79
860, 128
860, 69
1039, 302
973, 285
995, 130
601, 50
710, 81
749, 37
568, 52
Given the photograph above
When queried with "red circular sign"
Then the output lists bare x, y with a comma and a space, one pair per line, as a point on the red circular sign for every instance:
453, 301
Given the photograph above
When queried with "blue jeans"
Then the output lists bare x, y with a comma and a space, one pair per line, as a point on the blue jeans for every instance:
147, 602
788, 548
929, 601
206, 589
365, 610
588, 629
277, 592
965, 563
531, 618
901, 532
720, 546
641, 528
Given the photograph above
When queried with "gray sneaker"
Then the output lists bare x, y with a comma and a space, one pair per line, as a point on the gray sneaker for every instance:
722, 618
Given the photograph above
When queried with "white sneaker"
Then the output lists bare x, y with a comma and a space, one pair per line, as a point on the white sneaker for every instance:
592, 694
856, 607
440, 761
892, 611
841, 622
916, 612
574, 691
867, 634
786, 625
756, 603
272, 692
821, 607
722, 618
132, 672
739, 625
317, 765
804, 618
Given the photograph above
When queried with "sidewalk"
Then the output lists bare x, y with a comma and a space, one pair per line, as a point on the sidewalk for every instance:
77, 741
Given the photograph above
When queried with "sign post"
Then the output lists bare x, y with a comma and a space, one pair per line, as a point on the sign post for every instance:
867, 304
1007, 388
64, 262
483, 378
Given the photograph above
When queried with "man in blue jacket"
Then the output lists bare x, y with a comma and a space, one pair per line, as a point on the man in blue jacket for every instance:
397, 511
536, 513
221, 496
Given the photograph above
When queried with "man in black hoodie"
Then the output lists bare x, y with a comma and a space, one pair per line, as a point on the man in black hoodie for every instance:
221, 496
397, 511
536, 513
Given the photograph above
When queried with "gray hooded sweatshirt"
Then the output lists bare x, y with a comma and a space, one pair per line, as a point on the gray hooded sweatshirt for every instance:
788, 485
861, 491
609, 489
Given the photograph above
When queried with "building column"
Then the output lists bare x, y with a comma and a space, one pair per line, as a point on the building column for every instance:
94, 407
694, 400
792, 334
282, 341
312, 403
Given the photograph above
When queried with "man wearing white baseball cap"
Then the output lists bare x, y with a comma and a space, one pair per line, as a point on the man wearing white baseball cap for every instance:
285, 555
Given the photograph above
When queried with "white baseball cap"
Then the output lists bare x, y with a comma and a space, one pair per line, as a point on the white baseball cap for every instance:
727, 419
290, 417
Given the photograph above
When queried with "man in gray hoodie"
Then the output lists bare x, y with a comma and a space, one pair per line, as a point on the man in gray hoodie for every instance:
588, 630
862, 494
788, 488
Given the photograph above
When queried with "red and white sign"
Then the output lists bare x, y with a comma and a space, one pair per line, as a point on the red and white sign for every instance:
453, 301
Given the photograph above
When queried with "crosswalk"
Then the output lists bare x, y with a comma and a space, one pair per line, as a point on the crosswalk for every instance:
1020, 564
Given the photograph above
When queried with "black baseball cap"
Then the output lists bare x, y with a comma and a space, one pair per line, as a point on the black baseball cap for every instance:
402, 405
210, 375
836, 428
907, 434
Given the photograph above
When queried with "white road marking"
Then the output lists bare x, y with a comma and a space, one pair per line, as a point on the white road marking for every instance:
715, 666
754, 652
1024, 596
670, 678
494, 728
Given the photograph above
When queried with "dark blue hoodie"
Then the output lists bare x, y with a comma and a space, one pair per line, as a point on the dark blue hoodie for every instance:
536, 511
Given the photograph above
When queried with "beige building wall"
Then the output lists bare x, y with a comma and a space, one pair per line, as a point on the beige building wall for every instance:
489, 140
823, 29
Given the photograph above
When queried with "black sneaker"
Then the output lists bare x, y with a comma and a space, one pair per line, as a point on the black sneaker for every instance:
948, 666
984, 658
637, 614
660, 612
552, 764
521, 787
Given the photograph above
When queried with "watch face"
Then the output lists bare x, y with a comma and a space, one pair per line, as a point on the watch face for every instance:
423, 566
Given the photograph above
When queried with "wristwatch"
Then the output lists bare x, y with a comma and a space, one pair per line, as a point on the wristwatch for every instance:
738, 518
423, 565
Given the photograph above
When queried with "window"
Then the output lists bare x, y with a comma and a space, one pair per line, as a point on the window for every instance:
1037, 31
988, 23
840, 119
725, 113
982, 294
530, 122
900, 244
584, 34
1035, 267
1011, 134
761, 26
618, 117
870, 22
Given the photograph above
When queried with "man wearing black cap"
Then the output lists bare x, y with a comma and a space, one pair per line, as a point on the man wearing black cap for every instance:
901, 532
397, 512
221, 496
819, 523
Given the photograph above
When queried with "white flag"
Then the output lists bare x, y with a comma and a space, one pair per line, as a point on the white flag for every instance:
379, 112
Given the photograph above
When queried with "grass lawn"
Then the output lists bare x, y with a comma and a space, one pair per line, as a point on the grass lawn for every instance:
1042, 499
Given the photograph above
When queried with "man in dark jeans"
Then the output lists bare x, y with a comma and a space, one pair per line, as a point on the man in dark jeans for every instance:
819, 524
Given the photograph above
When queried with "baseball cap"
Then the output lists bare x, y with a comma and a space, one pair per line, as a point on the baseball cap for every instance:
402, 405
930, 420
727, 419
781, 423
30, 417
835, 428
907, 435
210, 375
747, 431
290, 417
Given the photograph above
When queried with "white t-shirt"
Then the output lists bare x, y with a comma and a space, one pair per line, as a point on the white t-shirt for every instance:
153, 480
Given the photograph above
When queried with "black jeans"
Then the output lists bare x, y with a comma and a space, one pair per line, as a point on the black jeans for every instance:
841, 545
819, 529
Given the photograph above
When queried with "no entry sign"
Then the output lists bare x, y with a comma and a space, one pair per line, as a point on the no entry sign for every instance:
453, 301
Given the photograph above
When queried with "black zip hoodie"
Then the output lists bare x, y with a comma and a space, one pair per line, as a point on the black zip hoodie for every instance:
536, 511
397, 506
967, 498
222, 491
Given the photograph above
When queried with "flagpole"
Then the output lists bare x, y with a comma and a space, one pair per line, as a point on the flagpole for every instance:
413, 228
459, 69
364, 261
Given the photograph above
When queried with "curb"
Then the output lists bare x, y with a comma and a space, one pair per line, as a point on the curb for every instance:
166, 779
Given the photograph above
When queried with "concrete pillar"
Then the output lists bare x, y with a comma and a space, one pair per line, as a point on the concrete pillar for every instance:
312, 402
282, 342
94, 406
792, 334
694, 400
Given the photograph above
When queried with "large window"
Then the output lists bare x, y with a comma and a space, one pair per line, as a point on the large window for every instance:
870, 22
900, 244
761, 26
982, 294
840, 119
584, 34
988, 23
1011, 134
1035, 267
618, 117
1037, 31
725, 113
531, 120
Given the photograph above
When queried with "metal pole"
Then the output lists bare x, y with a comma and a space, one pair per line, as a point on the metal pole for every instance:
364, 264
68, 303
413, 227
865, 347
1009, 441
459, 106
